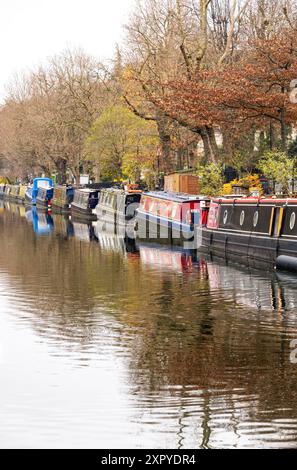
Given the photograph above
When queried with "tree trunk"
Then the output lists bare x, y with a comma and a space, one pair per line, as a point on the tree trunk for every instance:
202, 37
165, 138
212, 138
283, 126
209, 144
61, 166
283, 131
272, 136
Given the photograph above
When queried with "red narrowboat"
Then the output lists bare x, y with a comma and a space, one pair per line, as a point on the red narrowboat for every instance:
170, 217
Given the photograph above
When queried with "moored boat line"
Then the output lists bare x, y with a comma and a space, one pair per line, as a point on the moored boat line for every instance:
249, 228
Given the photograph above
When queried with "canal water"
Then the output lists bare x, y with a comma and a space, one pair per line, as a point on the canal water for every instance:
108, 345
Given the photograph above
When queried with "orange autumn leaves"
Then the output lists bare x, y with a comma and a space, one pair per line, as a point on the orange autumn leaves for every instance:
254, 91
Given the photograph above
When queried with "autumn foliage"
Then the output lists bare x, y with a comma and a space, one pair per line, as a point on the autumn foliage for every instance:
197, 82
253, 92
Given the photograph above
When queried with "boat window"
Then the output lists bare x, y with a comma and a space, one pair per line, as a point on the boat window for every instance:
256, 218
189, 216
174, 211
43, 184
163, 209
147, 204
152, 206
292, 220
242, 216
169, 210
142, 202
225, 218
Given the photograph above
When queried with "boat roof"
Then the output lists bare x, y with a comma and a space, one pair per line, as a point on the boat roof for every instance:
88, 190
175, 197
254, 200
125, 192
43, 179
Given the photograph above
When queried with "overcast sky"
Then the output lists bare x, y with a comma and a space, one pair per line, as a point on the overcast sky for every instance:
31, 30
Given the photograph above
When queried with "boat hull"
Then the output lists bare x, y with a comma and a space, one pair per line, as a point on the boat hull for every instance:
29, 199
83, 213
254, 230
164, 231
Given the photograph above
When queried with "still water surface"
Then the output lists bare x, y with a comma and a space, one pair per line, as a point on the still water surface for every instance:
103, 345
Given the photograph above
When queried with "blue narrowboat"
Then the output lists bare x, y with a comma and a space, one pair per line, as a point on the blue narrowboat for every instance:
39, 183
44, 198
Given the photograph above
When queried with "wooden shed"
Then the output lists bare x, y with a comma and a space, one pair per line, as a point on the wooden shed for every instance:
182, 183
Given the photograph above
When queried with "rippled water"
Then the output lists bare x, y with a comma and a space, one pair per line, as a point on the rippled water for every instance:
107, 345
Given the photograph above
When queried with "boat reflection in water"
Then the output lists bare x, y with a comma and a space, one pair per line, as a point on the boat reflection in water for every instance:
249, 287
170, 258
42, 221
14, 208
63, 225
82, 229
114, 238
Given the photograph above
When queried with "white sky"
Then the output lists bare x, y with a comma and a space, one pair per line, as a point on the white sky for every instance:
32, 30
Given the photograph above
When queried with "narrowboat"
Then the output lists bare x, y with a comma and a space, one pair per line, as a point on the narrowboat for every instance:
62, 199
84, 202
171, 217
262, 229
2, 190
44, 198
21, 195
118, 206
32, 191
7, 191
14, 192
